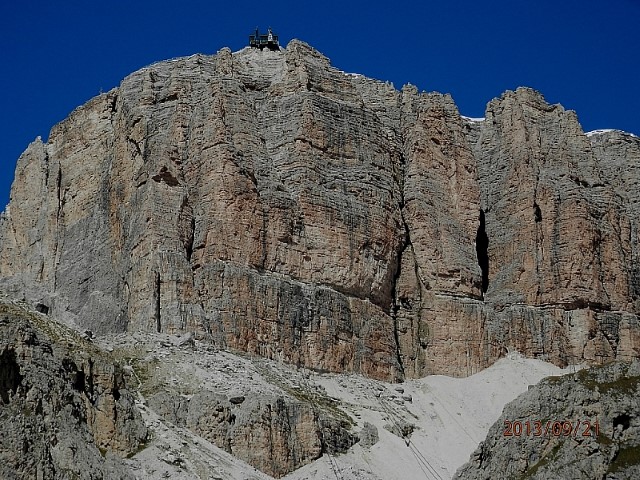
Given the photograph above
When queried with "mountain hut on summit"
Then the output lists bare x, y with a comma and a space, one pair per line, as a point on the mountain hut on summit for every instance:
270, 41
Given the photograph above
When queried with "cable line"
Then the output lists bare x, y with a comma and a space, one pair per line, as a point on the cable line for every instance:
332, 461
423, 463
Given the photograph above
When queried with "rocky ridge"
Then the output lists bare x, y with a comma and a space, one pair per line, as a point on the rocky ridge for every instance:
71, 408
274, 421
272, 204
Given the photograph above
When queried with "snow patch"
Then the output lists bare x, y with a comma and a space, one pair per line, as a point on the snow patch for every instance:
473, 119
349, 74
607, 130
598, 132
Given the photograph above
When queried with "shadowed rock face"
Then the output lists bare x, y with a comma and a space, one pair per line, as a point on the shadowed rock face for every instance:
278, 206
61, 408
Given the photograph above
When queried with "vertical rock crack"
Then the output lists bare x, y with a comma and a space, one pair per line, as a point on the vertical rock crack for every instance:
482, 246
157, 305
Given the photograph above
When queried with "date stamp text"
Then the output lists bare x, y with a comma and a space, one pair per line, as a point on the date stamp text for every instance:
551, 428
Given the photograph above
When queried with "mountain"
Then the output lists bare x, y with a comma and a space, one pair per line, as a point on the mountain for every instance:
266, 203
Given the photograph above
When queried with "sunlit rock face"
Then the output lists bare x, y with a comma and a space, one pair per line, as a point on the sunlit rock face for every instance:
275, 205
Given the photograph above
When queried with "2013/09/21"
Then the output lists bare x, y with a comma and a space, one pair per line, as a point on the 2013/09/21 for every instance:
555, 428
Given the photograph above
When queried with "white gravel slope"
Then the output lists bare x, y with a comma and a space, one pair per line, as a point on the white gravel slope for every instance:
449, 416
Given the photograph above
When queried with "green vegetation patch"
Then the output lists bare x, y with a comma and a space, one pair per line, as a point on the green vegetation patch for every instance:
545, 460
588, 379
602, 439
627, 456
145, 373
323, 402
306, 395
625, 385
555, 380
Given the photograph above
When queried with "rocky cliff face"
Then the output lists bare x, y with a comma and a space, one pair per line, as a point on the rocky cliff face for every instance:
64, 412
274, 434
273, 204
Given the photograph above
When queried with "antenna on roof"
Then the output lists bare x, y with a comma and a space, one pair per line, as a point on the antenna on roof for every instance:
262, 41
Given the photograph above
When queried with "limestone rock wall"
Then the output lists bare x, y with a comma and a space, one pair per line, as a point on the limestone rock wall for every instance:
562, 231
275, 435
276, 205
547, 209
439, 288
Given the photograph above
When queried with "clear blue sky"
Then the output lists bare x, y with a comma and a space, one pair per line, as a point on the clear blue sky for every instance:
580, 53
